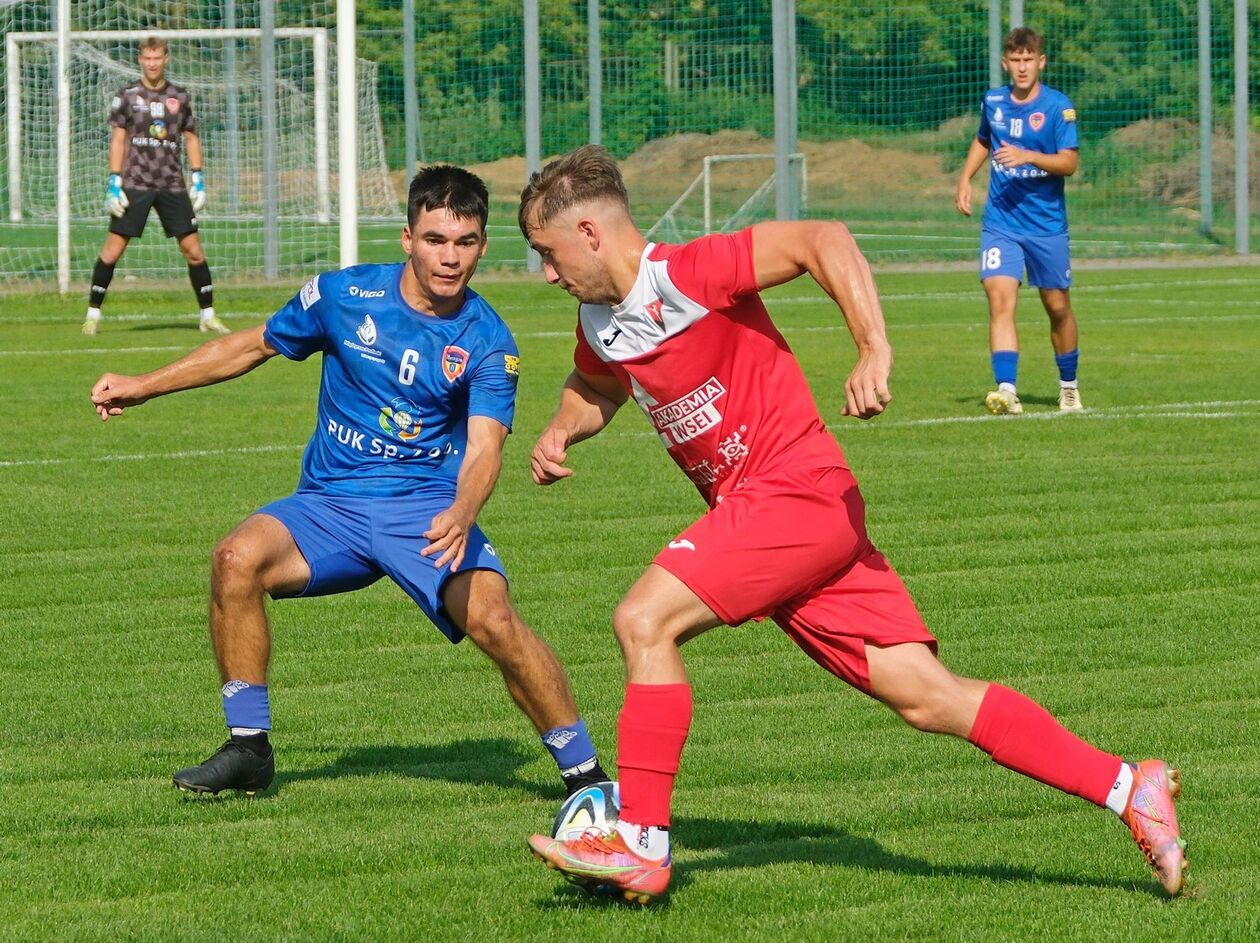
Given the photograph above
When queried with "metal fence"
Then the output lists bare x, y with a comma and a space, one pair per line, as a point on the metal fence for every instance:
860, 110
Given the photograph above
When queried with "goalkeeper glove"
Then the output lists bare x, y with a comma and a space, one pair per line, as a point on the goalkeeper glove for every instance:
115, 200
198, 191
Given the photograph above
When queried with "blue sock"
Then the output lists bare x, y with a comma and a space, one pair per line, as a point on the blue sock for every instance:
571, 748
1005, 366
1067, 365
246, 705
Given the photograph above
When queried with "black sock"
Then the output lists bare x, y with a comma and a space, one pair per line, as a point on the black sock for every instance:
199, 275
102, 275
587, 777
256, 743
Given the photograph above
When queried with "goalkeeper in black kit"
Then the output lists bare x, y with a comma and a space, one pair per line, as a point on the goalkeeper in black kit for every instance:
148, 119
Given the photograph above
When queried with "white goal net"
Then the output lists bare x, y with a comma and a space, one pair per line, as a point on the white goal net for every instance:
282, 216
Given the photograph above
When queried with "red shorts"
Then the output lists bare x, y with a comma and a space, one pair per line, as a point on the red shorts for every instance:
792, 544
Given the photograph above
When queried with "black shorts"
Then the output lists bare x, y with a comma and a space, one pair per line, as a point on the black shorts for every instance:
174, 209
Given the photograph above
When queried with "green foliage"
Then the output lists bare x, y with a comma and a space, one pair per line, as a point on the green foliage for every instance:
876, 65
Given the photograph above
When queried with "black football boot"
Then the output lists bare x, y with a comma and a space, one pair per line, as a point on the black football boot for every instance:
233, 766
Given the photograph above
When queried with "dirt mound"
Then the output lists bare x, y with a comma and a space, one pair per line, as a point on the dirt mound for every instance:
1168, 152
851, 172
663, 167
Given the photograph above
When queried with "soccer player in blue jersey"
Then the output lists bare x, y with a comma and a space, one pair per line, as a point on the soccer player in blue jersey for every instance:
1030, 131
416, 400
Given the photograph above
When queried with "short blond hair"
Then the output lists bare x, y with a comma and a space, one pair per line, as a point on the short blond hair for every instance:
582, 176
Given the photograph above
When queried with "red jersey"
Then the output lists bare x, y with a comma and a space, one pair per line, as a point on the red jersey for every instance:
695, 347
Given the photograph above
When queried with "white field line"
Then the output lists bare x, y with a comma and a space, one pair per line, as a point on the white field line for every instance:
1207, 409
772, 301
787, 329
87, 350
1219, 409
151, 456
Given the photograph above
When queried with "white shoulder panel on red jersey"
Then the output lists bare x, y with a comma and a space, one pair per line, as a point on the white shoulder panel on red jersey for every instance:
655, 309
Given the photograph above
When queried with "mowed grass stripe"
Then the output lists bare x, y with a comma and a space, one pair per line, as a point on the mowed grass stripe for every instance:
1106, 568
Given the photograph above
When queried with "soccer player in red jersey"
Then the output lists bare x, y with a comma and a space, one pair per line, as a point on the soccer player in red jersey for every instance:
682, 329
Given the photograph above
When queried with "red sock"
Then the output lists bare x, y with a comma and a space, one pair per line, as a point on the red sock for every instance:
1021, 735
651, 730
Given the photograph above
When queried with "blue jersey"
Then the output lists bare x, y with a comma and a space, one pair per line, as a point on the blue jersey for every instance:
398, 385
1027, 200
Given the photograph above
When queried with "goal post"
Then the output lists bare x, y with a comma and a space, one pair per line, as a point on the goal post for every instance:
796, 159
294, 165
753, 207
13, 111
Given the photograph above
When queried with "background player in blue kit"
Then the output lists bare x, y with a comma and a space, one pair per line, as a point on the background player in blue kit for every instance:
1030, 129
415, 402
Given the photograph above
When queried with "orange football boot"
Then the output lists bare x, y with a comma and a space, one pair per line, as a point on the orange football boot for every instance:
597, 860
1152, 819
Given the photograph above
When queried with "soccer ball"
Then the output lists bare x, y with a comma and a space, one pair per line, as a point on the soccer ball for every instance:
590, 807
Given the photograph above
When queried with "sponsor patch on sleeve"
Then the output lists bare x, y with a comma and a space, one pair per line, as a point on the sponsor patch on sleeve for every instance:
309, 293
511, 365
1069, 114
115, 103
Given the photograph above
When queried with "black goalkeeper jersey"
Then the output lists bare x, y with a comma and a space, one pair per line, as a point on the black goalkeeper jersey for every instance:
155, 121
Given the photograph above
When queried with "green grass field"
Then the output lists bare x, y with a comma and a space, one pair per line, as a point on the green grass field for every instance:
1106, 564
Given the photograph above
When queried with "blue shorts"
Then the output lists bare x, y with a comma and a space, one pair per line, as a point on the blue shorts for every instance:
349, 543
1045, 257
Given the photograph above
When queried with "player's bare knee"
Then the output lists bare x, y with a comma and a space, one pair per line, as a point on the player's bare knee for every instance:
194, 257
497, 630
941, 705
234, 568
927, 715
637, 626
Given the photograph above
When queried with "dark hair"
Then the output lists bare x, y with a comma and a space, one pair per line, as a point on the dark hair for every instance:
154, 42
1023, 39
456, 189
581, 176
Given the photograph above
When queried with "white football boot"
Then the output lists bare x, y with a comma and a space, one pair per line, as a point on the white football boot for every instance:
212, 323
1003, 403
1070, 400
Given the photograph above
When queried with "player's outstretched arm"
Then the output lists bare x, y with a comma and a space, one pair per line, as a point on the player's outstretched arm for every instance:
783, 251
587, 404
977, 154
478, 472
221, 359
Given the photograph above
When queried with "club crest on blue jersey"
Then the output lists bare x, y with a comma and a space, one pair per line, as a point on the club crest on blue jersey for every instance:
454, 359
1036, 120
367, 330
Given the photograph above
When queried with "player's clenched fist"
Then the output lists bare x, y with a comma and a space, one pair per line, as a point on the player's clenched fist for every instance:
866, 391
547, 459
113, 392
